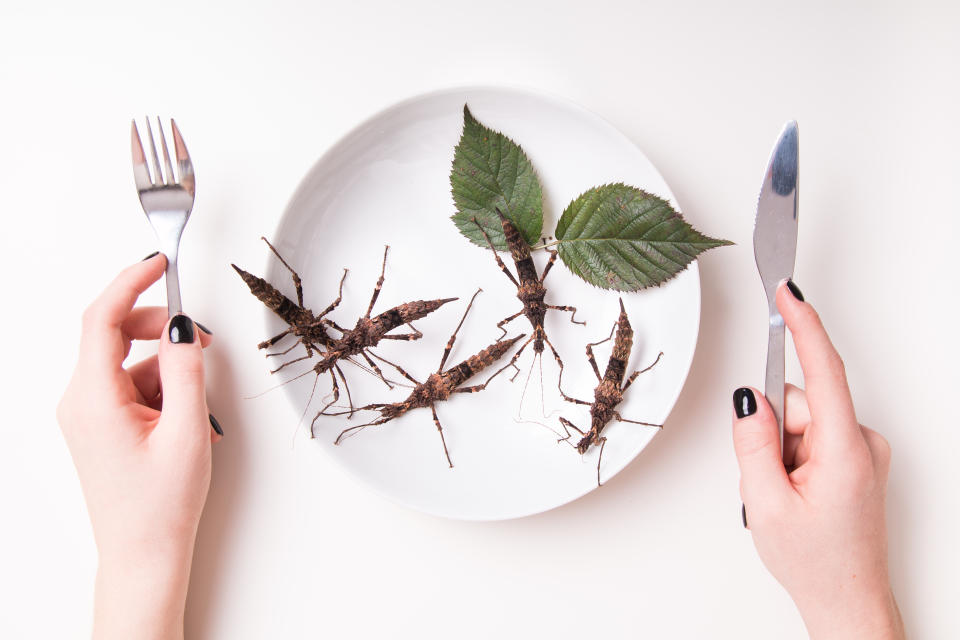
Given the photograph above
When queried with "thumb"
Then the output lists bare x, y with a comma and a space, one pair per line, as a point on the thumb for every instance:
181, 375
756, 440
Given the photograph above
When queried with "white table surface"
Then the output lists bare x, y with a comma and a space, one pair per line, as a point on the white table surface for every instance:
288, 546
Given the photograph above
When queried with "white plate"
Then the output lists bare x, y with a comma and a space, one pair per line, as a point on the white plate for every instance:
387, 182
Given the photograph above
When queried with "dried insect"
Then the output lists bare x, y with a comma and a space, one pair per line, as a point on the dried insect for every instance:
309, 328
312, 329
530, 290
608, 393
439, 386
368, 332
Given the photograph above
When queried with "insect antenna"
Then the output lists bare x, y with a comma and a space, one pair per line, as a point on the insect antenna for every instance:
518, 420
285, 382
526, 382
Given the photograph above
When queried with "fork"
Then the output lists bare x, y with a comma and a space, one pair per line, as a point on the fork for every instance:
166, 199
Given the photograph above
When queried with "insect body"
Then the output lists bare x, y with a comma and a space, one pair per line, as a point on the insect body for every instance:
609, 392
309, 328
530, 290
368, 332
439, 386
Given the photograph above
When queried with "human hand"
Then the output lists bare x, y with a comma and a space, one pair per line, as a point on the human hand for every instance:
820, 528
141, 441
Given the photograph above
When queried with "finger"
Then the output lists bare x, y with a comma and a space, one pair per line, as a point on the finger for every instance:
796, 412
756, 440
827, 393
147, 323
879, 450
146, 378
181, 374
102, 344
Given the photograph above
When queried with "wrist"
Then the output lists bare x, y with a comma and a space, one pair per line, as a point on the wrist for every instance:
142, 592
872, 614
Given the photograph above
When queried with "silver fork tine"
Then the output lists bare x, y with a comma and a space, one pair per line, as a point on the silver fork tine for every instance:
141, 174
184, 166
157, 174
166, 154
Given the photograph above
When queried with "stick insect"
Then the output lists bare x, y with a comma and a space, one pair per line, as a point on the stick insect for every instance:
368, 332
609, 392
530, 291
311, 329
439, 386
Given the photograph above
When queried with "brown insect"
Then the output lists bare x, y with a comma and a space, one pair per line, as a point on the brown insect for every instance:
439, 386
312, 329
609, 392
530, 290
368, 332
309, 328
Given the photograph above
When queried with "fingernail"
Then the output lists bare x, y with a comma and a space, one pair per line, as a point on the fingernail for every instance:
744, 402
155, 253
216, 425
181, 329
203, 328
743, 514
795, 290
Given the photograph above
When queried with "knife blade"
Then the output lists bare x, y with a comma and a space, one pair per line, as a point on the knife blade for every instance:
775, 249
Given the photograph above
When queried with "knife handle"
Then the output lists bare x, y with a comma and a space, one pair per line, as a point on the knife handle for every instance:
775, 369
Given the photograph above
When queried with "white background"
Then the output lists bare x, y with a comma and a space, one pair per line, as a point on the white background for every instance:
702, 88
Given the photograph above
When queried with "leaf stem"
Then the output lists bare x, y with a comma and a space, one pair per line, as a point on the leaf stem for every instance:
546, 245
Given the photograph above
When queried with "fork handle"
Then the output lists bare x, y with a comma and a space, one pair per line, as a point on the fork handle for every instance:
173, 286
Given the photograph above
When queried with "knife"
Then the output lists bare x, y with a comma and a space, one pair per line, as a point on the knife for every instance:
775, 249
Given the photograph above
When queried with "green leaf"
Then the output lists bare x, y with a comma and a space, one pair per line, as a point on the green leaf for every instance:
620, 237
491, 171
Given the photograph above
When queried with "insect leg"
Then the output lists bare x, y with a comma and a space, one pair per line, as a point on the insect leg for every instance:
349, 431
603, 443
446, 350
331, 323
285, 352
402, 336
573, 313
567, 425
333, 305
346, 388
506, 320
496, 256
590, 346
560, 387
336, 396
549, 265
376, 288
620, 418
633, 376
395, 366
306, 357
376, 369
274, 340
296, 278
436, 421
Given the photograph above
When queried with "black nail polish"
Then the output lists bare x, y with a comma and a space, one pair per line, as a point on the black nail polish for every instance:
744, 402
795, 290
155, 253
203, 328
216, 425
743, 515
181, 329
